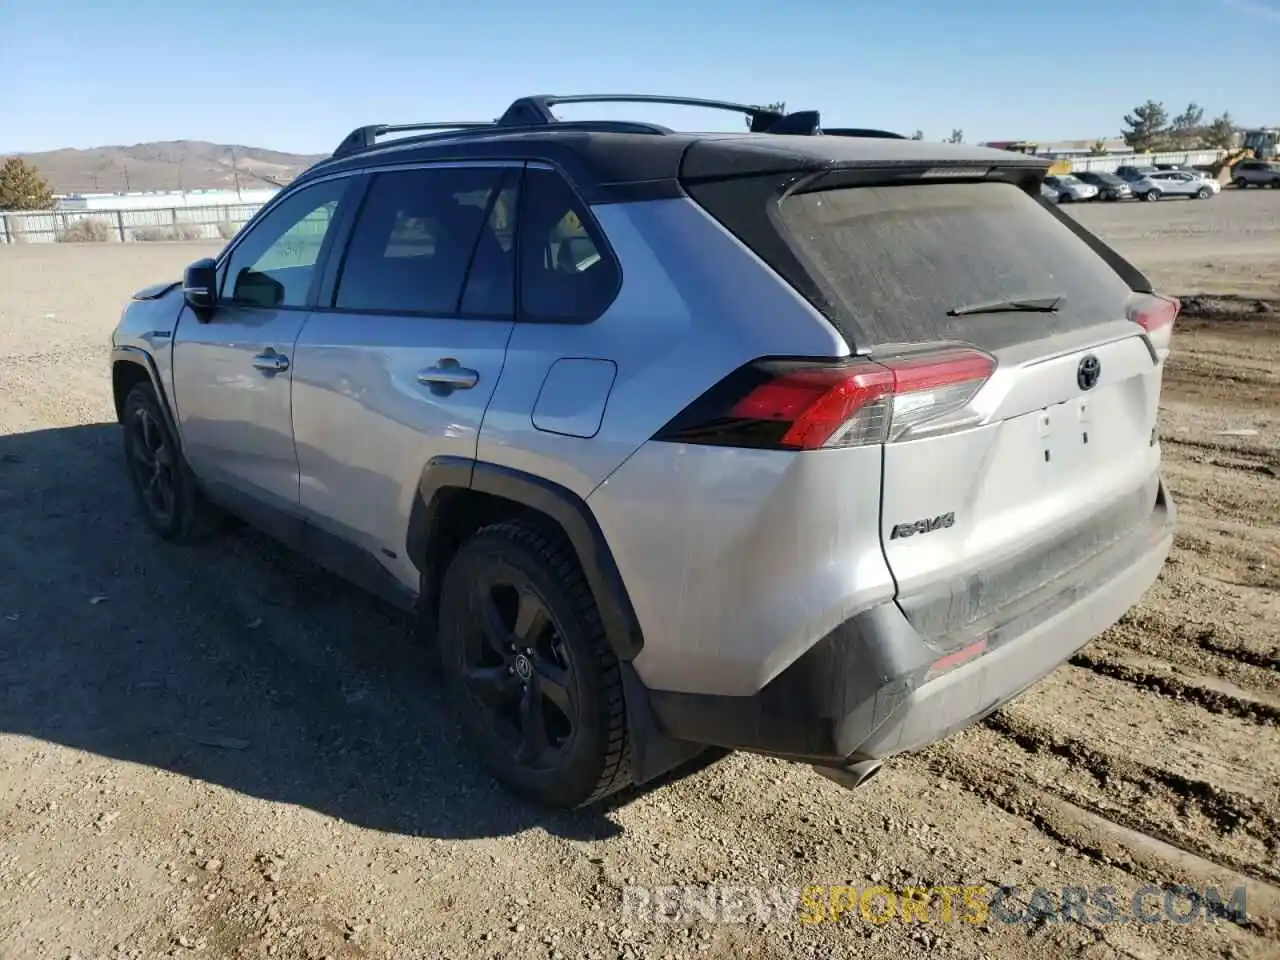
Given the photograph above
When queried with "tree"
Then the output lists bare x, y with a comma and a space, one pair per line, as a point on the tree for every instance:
1220, 134
957, 136
1147, 127
778, 106
1186, 127
918, 135
22, 188
1099, 148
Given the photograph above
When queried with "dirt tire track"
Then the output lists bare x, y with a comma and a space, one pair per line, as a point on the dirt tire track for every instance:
1063, 820
1230, 813
1169, 685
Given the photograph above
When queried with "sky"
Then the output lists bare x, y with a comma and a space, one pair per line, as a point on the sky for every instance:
297, 76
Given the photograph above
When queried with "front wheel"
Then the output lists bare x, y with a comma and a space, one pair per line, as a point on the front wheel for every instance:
1065, 198
172, 503
1204, 193
529, 669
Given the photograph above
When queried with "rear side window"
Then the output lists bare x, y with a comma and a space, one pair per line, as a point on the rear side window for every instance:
567, 272
424, 235
898, 258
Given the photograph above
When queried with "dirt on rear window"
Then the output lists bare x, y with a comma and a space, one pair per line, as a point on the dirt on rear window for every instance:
898, 258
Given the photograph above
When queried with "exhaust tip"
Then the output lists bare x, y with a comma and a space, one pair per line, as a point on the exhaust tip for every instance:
854, 775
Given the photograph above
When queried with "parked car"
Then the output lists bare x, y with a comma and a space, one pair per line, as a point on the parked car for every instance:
1256, 173
1048, 194
1070, 189
1175, 183
1133, 173
661, 436
1110, 187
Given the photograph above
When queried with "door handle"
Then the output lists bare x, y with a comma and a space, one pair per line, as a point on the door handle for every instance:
449, 375
271, 362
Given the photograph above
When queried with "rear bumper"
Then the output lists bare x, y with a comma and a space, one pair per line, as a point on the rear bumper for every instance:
865, 692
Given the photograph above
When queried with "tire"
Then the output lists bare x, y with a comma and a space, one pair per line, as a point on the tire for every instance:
1065, 198
171, 501
1241, 183
529, 669
1204, 193
1151, 196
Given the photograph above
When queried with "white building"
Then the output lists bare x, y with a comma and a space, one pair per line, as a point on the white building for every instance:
166, 200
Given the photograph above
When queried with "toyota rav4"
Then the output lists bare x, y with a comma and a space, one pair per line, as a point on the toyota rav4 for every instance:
820, 445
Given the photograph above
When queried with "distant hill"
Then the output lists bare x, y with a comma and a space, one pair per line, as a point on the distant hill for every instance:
172, 165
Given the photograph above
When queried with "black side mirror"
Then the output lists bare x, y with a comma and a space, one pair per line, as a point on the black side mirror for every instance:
200, 287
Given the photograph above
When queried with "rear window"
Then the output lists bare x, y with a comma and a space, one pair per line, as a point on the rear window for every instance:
898, 258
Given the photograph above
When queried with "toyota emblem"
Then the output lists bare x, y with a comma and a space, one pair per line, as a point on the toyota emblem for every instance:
524, 669
1088, 372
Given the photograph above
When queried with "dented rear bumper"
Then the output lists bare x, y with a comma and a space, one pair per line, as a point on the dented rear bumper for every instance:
874, 686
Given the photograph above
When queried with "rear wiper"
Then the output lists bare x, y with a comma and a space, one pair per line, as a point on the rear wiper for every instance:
1022, 305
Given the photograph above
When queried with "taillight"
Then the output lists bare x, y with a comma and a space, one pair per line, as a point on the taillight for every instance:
1155, 314
811, 405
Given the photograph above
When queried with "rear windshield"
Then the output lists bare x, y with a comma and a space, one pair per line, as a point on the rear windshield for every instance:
898, 258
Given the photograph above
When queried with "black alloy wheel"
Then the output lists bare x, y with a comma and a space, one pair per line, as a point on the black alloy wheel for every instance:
519, 670
530, 668
152, 464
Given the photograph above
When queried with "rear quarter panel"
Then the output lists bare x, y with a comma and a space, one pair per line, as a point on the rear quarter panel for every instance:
695, 304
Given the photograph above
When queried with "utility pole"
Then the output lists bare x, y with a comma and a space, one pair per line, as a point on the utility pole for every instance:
235, 172
127, 189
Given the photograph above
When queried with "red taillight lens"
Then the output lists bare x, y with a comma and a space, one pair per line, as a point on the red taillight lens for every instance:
1155, 314
815, 404
807, 405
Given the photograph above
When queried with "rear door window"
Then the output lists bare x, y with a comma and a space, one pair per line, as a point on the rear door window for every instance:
417, 238
898, 258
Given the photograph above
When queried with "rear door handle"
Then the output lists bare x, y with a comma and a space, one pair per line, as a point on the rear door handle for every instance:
271, 362
448, 374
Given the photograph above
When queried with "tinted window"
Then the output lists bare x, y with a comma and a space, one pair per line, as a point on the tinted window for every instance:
491, 283
898, 258
414, 242
274, 264
567, 273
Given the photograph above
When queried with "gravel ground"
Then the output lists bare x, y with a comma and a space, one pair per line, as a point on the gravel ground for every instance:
221, 751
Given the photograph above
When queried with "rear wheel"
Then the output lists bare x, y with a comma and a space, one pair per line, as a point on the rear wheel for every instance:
530, 670
1151, 196
171, 500
1241, 182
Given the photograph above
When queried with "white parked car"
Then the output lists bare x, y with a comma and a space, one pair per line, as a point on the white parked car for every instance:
1071, 189
1175, 183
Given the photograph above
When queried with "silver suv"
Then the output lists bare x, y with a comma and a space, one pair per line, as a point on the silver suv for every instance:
821, 446
1256, 173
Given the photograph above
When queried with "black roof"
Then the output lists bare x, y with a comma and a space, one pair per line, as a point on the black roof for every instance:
612, 161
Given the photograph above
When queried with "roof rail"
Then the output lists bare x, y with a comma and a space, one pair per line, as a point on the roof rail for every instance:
361, 138
862, 132
536, 110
